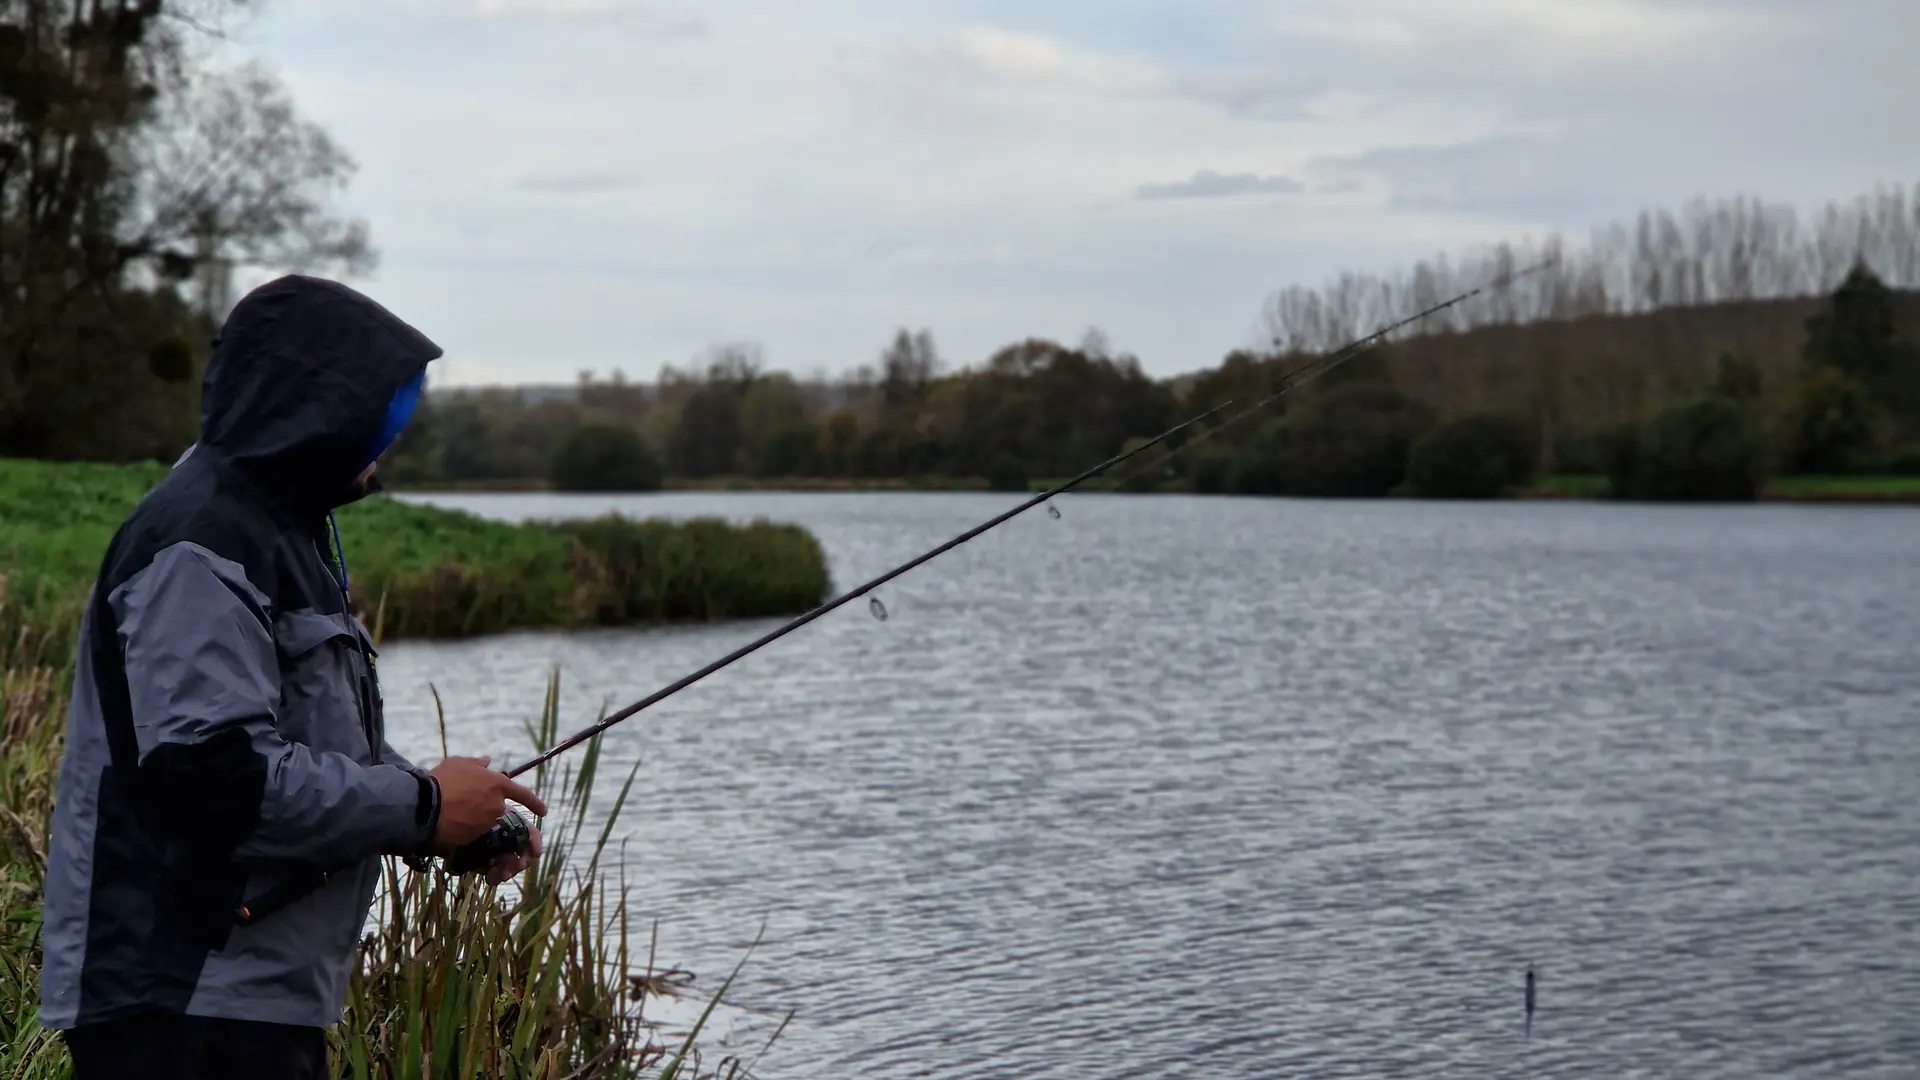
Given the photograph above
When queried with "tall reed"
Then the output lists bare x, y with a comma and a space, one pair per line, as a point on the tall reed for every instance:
463, 979
33, 698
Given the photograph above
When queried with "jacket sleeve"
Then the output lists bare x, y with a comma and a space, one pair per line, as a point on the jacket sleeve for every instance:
428, 815
203, 681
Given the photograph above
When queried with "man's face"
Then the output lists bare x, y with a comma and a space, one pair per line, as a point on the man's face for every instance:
360, 482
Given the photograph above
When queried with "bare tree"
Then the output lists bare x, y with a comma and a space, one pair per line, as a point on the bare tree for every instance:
231, 177
1710, 252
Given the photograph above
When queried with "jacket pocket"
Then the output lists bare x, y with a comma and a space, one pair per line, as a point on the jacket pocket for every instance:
325, 684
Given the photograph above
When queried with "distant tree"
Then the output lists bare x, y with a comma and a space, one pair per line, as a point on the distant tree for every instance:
1007, 474
1618, 446
1737, 378
468, 442
907, 366
736, 364
792, 449
707, 436
1211, 472
1856, 333
1353, 441
604, 457
1829, 427
839, 443
773, 409
1702, 449
1475, 457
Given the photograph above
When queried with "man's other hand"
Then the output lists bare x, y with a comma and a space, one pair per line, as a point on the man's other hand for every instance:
473, 798
506, 866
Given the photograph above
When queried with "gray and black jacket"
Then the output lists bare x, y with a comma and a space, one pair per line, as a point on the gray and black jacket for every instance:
226, 731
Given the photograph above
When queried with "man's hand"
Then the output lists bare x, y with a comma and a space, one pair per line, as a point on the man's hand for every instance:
506, 866
472, 799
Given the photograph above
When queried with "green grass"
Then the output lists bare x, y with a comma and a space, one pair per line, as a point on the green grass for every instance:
1871, 488
426, 571
1781, 489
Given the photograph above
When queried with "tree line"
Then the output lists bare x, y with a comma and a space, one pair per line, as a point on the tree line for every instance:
1801, 334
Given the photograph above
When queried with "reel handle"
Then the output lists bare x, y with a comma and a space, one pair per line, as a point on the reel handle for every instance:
509, 836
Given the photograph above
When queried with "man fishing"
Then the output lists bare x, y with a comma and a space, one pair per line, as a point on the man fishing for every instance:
226, 734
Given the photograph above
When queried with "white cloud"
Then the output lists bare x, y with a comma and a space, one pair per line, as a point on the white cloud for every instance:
1031, 57
1207, 184
552, 190
1535, 36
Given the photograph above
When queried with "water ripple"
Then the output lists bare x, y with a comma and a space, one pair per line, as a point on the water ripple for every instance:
1265, 788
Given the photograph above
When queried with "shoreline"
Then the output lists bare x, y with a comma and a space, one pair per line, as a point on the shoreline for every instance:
1848, 491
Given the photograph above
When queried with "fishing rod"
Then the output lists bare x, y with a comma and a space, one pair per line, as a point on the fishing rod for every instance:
1292, 379
512, 835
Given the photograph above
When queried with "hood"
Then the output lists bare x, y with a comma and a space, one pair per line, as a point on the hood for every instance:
300, 388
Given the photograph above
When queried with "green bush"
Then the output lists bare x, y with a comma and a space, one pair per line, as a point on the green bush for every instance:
1577, 455
1903, 462
1703, 449
1352, 442
1829, 426
704, 568
1738, 377
1211, 473
1474, 457
604, 457
1007, 474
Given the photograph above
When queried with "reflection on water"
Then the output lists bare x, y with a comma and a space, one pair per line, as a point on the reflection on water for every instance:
1280, 788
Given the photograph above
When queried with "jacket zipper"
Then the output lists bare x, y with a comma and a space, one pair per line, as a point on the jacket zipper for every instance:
363, 681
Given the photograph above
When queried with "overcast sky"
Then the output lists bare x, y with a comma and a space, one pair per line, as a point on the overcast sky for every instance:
565, 184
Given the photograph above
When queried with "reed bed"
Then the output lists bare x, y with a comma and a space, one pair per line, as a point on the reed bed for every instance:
539, 979
32, 714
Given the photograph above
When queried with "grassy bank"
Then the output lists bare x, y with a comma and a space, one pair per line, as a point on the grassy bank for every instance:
1841, 489
425, 571
1896, 489
1881, 489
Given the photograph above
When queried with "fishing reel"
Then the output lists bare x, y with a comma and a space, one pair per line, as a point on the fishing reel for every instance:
511, 835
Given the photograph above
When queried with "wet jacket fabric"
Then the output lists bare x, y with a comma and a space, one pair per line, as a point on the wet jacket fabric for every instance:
226, 731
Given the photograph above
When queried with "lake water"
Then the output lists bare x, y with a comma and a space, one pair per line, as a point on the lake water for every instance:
1253, 788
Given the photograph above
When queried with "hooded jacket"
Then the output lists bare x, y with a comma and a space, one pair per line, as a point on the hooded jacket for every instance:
226, 732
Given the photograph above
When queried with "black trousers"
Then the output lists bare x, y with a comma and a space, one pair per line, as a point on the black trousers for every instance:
196, 1048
